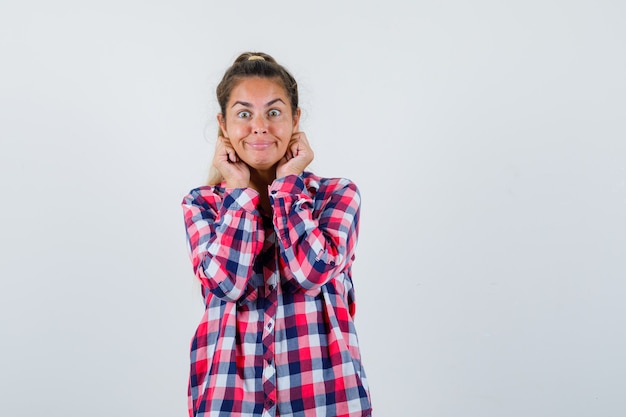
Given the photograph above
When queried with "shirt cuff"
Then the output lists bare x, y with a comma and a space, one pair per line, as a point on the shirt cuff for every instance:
290, 184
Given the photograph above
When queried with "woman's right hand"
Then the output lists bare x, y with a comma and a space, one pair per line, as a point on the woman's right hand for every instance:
235, 171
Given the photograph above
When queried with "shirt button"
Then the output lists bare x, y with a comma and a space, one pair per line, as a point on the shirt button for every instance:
270, 402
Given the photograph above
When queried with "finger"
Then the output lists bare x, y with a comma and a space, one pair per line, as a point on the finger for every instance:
220, 152
228, 150
289, 153
301, 136
294, 138
301, 141
221, 145
298, 146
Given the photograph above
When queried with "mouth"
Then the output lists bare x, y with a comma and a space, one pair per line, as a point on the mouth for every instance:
259, 145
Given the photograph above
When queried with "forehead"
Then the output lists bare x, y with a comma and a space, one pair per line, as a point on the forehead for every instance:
257, 89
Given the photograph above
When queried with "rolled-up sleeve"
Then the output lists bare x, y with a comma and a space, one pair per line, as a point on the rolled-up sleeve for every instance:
317, 233
224, 234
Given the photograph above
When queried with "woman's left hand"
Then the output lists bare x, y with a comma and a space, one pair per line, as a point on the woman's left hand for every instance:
298, 156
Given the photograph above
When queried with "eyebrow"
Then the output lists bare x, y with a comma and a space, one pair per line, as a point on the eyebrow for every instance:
246, 104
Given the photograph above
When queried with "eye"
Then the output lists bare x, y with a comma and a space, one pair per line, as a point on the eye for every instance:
243, 114
274, 113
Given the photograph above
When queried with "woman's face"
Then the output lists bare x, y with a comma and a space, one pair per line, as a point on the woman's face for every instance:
259, 122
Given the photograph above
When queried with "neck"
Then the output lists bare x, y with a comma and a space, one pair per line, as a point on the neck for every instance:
260, 180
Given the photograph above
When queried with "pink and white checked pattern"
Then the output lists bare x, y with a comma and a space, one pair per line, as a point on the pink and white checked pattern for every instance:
277, 336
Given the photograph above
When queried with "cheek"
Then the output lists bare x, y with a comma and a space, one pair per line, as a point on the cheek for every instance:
235, 128
285, 128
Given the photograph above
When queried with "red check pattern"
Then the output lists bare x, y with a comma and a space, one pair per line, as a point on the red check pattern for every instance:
277, 337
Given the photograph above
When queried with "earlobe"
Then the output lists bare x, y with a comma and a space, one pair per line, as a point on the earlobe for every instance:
296, 120
222, 124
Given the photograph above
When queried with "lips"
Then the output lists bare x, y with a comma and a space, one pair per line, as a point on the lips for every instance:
259, 145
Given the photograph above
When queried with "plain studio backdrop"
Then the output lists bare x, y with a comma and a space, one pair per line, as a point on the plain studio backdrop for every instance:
488, 139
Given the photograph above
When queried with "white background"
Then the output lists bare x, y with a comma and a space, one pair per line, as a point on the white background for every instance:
488, 139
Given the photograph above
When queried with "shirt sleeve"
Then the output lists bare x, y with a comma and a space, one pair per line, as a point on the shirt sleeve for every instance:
316, 244
224, 234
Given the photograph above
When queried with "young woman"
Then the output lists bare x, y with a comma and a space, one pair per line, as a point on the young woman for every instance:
272, 245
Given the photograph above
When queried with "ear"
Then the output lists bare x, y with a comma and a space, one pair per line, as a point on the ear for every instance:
222, 123
296, 119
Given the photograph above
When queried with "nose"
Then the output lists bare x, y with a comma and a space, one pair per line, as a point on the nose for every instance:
259, 126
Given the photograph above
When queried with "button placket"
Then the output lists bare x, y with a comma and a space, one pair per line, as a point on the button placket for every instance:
269, 317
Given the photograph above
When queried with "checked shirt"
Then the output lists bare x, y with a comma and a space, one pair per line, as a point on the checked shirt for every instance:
277, 337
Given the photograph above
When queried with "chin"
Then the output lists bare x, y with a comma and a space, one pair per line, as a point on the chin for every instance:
262, 165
